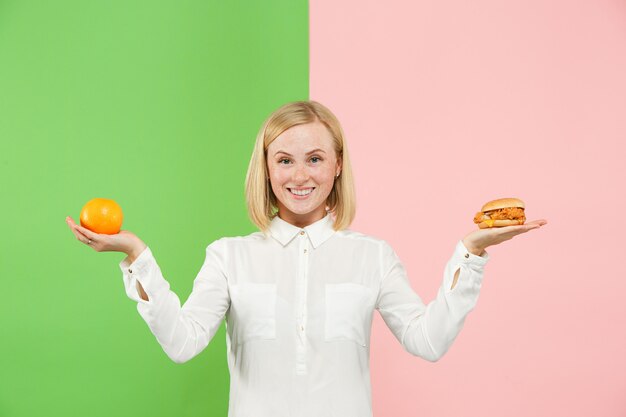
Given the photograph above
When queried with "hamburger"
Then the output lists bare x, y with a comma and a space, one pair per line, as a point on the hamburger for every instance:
501, 212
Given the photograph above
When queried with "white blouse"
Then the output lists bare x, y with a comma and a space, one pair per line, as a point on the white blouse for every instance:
299, 304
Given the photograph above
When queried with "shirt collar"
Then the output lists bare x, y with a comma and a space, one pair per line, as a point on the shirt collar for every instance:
317, 232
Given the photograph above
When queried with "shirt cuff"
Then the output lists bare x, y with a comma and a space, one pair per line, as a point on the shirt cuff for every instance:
137, 271
469, 258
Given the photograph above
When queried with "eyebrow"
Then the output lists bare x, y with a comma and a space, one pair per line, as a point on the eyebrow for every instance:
308, 153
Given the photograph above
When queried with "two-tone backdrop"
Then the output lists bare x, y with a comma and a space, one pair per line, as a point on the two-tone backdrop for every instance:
445, 105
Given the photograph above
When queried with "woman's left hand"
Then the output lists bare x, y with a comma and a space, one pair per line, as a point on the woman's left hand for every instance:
478, 240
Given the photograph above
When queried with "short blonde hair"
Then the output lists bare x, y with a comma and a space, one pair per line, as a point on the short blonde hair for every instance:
261, 200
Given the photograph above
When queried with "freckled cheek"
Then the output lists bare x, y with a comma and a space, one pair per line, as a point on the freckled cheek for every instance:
279, 179
327, 179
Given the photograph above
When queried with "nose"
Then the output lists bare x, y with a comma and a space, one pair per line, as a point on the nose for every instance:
301, 174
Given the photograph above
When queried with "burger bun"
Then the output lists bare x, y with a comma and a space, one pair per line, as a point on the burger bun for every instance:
503, 203
498, 223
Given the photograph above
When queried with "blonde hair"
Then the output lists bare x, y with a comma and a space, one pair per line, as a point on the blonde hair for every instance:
260, 198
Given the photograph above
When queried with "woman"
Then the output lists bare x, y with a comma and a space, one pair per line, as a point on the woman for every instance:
299, 295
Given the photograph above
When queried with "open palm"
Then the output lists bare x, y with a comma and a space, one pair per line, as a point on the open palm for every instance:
480, 239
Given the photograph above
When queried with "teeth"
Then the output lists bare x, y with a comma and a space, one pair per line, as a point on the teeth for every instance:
303, 192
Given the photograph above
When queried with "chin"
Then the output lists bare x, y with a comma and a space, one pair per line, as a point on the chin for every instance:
303, 211
300, 211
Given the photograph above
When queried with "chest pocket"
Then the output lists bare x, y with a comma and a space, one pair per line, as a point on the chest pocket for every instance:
253, 310
349, 309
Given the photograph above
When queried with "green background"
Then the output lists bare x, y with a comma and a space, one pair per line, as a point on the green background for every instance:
155, 105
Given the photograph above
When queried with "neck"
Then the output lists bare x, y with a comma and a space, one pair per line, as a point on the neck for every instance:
302, 220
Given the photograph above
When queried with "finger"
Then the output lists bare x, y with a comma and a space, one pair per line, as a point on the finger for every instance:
91, 235
517, 229
86, 232
83, 238
72, 227
529, 226
532, 226
78, 232
524, 227
71, 223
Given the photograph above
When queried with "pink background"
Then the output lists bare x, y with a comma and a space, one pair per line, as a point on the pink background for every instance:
449, 104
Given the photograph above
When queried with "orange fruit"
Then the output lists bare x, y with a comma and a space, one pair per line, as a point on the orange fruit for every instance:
102, 215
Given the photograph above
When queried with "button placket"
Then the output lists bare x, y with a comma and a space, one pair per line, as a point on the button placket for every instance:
301, 310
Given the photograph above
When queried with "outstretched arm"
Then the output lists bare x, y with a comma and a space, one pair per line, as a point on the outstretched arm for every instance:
183, 332
429, 330
423, 330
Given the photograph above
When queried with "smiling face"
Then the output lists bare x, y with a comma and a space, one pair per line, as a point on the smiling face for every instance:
302, 160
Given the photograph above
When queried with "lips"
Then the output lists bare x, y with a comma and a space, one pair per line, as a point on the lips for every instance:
309, 189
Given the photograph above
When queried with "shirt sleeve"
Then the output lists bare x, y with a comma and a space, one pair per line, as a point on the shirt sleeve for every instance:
183, 332
423, 330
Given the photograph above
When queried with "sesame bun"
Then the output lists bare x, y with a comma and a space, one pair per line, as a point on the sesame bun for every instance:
503, 203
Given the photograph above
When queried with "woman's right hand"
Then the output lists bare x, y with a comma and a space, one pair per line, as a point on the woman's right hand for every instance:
124, 241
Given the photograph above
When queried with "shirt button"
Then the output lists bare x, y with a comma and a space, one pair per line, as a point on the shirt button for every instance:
305, 251
467, 255
302, 328
130, 270
302, 232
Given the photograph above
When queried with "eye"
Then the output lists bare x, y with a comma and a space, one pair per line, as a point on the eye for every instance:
285, 159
